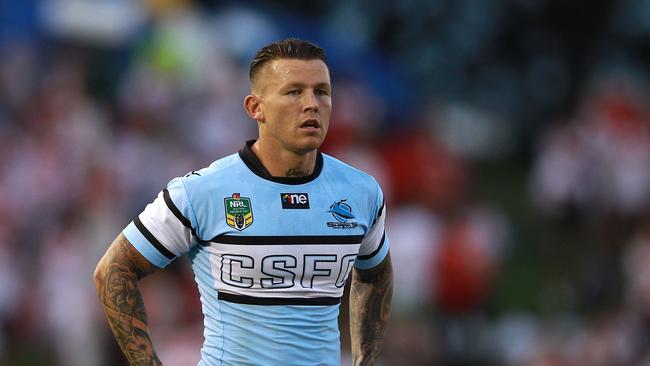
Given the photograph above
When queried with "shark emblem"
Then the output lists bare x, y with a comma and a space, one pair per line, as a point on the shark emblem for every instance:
341, 211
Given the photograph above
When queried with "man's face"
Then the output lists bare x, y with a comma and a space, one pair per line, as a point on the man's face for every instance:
295, 101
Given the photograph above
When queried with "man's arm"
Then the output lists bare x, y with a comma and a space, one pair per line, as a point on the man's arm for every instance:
116, 279
370, 296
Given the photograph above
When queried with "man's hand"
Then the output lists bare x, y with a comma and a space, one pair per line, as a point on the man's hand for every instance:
370, 296
116, 279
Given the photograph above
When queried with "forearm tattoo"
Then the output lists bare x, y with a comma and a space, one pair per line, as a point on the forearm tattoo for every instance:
370, 297
116, 278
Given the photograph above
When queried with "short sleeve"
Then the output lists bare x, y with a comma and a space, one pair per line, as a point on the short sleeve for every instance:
166, 227
374, 246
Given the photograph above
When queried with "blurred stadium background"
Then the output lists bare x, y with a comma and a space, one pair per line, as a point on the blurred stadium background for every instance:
511, 137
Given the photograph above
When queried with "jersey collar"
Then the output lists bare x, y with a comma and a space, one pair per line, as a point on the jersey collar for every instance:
255, 165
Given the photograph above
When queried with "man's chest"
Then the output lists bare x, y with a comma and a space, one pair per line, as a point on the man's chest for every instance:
297, 241
282, 212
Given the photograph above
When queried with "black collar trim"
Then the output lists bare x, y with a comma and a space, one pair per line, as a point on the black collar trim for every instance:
255, 165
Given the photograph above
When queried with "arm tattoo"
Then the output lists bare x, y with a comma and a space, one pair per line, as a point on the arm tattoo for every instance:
370, 296
116, 278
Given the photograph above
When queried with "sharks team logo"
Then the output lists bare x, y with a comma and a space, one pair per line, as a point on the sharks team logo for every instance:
239, 211
342, 212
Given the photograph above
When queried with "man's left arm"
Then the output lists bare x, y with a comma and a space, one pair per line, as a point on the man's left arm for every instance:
370, 296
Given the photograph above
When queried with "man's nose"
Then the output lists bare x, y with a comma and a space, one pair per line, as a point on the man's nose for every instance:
310, 102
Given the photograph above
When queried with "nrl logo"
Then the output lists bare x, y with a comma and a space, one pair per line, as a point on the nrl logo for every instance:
239, 212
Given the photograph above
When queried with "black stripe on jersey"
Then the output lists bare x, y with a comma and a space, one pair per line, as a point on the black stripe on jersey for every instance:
381, 244
241, 299
381, 211
152, 239
172, 207
287, 240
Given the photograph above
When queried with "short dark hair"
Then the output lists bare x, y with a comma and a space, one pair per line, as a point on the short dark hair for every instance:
287, 48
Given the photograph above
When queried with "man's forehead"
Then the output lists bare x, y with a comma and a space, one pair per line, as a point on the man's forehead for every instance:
296, 63
289, 70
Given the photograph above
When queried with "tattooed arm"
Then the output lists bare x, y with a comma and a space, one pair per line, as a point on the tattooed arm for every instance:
370, 296
116, 279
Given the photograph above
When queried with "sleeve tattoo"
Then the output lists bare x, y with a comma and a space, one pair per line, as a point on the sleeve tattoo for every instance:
370, 297
116, 279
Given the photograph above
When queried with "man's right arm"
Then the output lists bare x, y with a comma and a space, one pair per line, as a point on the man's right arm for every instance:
116, 278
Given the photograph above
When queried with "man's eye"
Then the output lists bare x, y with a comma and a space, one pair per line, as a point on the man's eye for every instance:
322, 92
293, 92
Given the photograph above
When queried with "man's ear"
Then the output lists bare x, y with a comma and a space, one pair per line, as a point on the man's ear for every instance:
253, 107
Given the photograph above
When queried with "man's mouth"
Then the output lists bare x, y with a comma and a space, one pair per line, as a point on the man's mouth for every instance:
311, 124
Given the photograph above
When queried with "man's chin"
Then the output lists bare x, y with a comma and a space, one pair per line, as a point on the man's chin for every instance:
308, 144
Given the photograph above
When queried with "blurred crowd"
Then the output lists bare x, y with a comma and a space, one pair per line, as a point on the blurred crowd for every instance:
511, 139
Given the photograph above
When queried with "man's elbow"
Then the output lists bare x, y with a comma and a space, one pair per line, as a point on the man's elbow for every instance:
99, 275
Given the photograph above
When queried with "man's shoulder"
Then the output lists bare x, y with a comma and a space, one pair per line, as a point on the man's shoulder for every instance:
223, 167
346, 171
225, 164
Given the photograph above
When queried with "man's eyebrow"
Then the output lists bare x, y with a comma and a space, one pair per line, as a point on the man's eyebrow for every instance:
323, 85
302, 85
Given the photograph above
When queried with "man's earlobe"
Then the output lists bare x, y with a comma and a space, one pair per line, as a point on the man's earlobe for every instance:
253, 108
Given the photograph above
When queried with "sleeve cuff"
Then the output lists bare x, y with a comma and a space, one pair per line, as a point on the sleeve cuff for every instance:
143, 246
376, 259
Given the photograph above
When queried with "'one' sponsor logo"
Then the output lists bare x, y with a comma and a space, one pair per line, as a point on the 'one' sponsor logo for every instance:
294, 200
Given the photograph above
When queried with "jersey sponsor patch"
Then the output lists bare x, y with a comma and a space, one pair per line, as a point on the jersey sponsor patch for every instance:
342, 212
239, 211
294, 200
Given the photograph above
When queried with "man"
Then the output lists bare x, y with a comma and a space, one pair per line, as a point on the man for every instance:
272, 234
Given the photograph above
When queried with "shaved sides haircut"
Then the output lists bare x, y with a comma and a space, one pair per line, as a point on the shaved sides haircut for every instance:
292, 48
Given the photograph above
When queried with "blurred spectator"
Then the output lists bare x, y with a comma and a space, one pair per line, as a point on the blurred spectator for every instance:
597, 164
63, 287
471, 250
415, 233
423, 172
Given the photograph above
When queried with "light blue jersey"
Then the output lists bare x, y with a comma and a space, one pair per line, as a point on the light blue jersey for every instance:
270, 255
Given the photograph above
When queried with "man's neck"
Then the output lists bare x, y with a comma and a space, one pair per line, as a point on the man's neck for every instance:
283, 163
